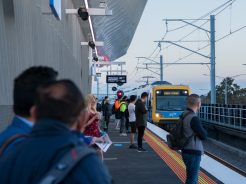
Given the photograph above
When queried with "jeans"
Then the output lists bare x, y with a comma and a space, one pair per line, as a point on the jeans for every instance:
122, 125
192, 163
140, 136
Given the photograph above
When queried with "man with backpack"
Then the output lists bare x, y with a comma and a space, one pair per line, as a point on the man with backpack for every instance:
52, 154
116, 109
191, 153
187, 136
123, 110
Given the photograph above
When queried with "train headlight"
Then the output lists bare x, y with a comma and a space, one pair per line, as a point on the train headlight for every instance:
157, 115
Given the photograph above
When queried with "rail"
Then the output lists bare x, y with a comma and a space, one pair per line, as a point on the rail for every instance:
232, 116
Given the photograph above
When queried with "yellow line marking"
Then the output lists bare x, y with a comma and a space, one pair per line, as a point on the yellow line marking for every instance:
167, 150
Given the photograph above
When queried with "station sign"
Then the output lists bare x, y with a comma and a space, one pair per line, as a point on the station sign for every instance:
114, 88
116, 79
56, 6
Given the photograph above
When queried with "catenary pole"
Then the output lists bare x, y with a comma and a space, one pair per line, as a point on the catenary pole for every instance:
212, 59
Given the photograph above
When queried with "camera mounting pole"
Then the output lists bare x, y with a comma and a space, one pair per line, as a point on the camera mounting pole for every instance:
91, 11
92, 55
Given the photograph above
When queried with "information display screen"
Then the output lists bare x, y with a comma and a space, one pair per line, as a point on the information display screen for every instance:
116, 79
172, 93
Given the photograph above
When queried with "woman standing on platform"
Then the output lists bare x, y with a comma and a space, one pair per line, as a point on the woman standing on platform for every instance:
92, 127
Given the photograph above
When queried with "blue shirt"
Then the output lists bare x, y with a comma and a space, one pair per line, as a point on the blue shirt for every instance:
18, 125
46, 145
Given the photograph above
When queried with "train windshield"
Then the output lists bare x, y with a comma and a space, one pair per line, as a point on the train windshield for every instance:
171, 100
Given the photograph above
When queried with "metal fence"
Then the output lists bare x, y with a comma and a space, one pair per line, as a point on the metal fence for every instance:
233, 116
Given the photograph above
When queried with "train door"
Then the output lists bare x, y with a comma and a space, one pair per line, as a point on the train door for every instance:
149, 106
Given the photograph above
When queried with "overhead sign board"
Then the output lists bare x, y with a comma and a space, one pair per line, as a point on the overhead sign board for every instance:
116, 78
55, 6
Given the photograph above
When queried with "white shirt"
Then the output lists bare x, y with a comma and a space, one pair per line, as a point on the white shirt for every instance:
131, 110
26, 121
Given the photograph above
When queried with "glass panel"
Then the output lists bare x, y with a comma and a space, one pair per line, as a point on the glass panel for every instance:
171, 103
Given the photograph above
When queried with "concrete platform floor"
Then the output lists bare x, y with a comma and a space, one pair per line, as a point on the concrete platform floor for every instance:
127, 166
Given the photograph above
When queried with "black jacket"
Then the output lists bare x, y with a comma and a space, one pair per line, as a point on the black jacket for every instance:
107, 109
49, 140
141, 113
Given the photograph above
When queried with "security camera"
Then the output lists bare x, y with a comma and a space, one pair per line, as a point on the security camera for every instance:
95, 58
83, 13
92, 44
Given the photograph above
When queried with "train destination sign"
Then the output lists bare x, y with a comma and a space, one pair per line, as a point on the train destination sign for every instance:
116, 78
172, 92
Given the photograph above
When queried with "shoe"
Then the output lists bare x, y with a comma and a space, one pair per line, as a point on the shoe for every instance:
132, 146
141, 150
123, 134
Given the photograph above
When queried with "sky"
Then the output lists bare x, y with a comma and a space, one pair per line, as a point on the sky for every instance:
230, 52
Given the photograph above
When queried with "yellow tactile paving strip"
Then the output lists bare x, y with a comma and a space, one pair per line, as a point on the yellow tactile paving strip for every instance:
172, 158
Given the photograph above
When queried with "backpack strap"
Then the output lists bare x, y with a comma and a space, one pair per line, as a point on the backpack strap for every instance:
186, 114
10, 140
183, 117
60, 170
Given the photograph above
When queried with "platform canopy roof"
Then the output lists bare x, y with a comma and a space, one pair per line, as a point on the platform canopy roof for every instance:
116, 31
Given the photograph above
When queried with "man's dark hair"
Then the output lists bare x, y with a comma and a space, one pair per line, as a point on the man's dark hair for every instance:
26, 84
106, 97
144, 94
124, 98
133, 98
60, 100
193, 100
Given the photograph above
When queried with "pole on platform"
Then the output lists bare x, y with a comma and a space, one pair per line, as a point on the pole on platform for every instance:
97, 87
161, 67
212, 59
226, 90
107, 86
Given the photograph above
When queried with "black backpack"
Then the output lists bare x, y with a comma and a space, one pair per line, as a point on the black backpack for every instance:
117, 112
59, 171
176, 139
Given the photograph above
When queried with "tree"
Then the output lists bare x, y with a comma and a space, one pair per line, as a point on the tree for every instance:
235, 95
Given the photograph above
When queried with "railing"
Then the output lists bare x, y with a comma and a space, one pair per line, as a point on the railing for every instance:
233, 116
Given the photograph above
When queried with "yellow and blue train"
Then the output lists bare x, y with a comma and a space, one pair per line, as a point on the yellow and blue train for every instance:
166, 102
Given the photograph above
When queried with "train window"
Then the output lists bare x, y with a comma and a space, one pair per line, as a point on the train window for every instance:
171, 100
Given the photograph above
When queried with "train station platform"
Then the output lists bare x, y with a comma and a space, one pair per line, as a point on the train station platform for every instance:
159, 164
132, 167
